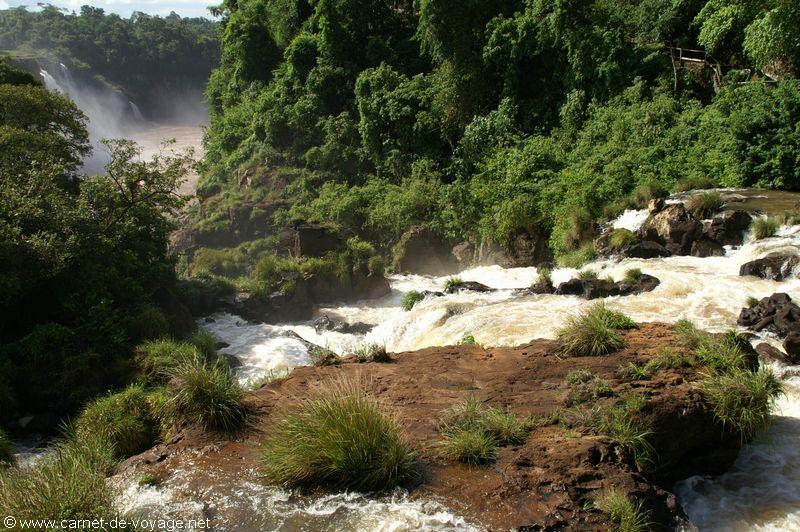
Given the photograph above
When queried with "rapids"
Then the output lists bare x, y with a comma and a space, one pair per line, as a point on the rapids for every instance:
761, 492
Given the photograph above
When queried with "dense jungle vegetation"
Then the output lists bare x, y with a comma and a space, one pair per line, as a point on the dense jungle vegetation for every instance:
485, 120
86, 275
150, 57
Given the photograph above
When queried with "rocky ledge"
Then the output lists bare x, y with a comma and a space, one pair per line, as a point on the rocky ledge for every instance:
546, 483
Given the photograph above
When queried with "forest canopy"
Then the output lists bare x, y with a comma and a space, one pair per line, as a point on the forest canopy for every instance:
148, 56
486, 120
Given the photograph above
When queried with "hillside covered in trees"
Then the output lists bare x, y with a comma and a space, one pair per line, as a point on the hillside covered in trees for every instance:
149, 57
509, 124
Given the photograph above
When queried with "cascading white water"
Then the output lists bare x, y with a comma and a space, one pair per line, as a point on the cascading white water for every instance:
761, 492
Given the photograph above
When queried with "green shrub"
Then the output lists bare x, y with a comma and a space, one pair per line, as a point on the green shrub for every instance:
704, 205
752, 301
226, 262
722, 353
589, 334
643, 193
741, 399
204, 394
612, 318
635, 371
205, 342
627, 516
338, 436
372, 353
694, 183
579, 257
453, 283
410, 299
67, 483
467, 340
124, 419
470, 445
587, 275
789, 217
6, 449
620, 238
503, 427
272, 273
689, 335
632, 276
764, 228
623, 423
156, 358
545, 275
670, 358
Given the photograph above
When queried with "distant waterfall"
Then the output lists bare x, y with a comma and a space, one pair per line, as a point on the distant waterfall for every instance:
110, 114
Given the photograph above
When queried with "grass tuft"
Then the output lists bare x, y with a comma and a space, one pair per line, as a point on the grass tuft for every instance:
587, 275
593, 332
704, 205
467, 340
621, 511
620, 238
764, 228
579, 257
156, 358
410, 299
322, 356
545, 275
453, 283
469, 445
124, 419
632, 276
372, 353
752, 301
585, 386
742, 399
635, 371
338, 436
205, 394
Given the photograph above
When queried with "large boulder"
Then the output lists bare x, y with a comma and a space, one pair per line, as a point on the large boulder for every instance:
645, 283
522, 251
791, 344
674, 228
464, 253
728, 228
421, 251
775, 266
468, 286
325, 323
776, 313
588, 288
646, 249
705, 247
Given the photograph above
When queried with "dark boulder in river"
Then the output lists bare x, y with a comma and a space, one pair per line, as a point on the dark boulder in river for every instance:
775, 266
728, 227
777, 314
597, 288
468, 286
674, 228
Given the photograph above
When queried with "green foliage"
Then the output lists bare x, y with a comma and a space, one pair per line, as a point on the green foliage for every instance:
123, 419
771, 39
696, 182
337, 436
752, 301
545, 275
620, 238
764, 228
587, 275
635, 371
723, 353
704, 205
623, 422
410, 299
68, 483
632, 276
155, 359
584, 386
472, 431
6, 449
741, 399
593, 332
321, 356
204, 394
467, 340
453, 283
627, 516
372, 353
578, 257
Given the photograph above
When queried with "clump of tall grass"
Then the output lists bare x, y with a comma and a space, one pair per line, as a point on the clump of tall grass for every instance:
205, 342
718, 352
206, 394
585, 386
632, 276
742, 399
372, 353
764, 228
6, 449
545, 275
322, 356
157, 358
453, 283
472, 431
67, 483
705, 204
124, 419
410, 299
467, 340
693, 183
338, 436
587, 275
579, 257
627, 516
620, 238
593, 332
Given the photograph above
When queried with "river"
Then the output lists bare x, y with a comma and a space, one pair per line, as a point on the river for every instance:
761, 492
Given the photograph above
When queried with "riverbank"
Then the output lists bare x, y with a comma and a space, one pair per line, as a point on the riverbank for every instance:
549, 481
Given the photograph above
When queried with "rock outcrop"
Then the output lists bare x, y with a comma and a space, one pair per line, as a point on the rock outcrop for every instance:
597, 288
775, 266
423, 252
674, 228
779, 315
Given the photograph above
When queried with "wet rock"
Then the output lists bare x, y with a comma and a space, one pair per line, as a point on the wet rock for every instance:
210, 320
588, 288
645, 283
656, 205
775, 266
468, 286
674, 228
421, 251
522, 251
232, 360
776, 313
706, 247
728, 228
464, 253
770, 353
325, 323
791, 344
221, 345
646, 249
278, 307
542, 287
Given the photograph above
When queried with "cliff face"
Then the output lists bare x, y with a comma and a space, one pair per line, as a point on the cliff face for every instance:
549, 482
